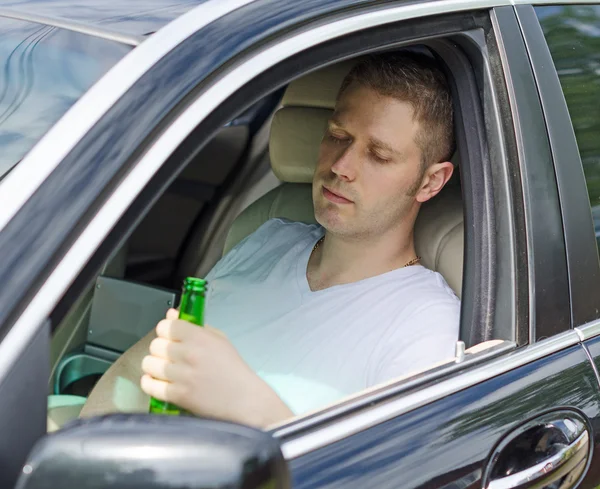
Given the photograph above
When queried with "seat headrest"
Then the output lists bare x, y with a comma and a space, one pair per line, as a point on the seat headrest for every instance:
318, 89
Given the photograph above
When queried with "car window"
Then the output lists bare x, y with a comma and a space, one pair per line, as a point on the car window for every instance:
302, 386
44, 71
573, 35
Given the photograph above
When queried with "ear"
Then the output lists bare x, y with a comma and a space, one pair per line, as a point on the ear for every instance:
434, 180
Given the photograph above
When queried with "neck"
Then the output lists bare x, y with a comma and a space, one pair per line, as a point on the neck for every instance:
340, 260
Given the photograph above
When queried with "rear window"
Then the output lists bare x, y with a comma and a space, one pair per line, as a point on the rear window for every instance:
573, 36
44, 70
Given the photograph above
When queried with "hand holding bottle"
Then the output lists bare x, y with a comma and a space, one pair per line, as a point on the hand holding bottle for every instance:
191, 308
200, 370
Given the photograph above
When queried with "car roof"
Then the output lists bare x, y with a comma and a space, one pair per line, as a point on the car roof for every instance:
135, 18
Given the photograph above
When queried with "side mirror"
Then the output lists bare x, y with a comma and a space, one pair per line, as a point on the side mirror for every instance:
155, 452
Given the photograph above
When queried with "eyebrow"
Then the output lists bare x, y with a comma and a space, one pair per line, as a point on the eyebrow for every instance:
335, 122
386, 147
380, 144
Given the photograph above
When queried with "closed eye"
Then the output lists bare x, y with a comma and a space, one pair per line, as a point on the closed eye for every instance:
377, 158
337, 138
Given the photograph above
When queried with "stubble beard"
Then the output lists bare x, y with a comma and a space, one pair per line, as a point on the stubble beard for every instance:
377, 221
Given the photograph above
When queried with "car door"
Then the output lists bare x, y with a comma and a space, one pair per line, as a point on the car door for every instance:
526, 409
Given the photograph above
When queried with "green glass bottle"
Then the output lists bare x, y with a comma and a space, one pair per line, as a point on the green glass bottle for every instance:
191, 308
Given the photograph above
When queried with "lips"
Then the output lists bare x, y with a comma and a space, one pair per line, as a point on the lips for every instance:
335, 197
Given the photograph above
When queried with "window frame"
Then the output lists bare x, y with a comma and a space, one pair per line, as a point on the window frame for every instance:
355, 45
69, 87
187, 150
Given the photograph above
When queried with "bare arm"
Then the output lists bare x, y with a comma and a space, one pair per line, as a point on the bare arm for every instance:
118, 390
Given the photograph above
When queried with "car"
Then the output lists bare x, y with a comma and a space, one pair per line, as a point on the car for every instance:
140, 140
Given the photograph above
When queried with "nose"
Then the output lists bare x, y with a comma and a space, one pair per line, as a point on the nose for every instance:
345, 166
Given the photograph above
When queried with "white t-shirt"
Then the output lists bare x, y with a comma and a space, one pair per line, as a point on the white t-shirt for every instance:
314, 347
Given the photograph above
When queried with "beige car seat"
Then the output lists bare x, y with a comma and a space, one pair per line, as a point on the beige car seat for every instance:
296, 133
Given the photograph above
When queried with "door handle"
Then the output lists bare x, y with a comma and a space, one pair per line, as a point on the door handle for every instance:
549, 452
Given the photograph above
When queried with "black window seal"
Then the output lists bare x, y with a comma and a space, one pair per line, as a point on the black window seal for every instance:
549, 307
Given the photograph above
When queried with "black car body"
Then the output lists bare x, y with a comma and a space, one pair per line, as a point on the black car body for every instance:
526, 79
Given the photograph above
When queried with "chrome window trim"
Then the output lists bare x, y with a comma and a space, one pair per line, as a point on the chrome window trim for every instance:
592, 362
389, 390
18, 186
74, 26
588, 330
48, 153
403, 404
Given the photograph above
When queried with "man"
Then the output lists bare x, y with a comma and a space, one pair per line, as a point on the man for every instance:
307, 314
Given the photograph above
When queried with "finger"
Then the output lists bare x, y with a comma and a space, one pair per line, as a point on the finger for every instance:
161, 369
172, 314
176, 330
167, 349
159, 389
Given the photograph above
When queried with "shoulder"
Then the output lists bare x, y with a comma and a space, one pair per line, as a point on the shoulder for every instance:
433, 297
435, 284
429, 316
428, 302
421, 287
435, 308
424, 328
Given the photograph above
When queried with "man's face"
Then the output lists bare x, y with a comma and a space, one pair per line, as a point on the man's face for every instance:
369, 166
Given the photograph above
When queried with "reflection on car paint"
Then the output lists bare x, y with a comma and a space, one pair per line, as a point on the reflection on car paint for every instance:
136, 18
44, 71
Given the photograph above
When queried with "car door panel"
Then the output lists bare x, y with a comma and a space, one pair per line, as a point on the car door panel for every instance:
447, 443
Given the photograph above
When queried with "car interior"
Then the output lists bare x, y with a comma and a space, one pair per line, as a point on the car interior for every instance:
263, 166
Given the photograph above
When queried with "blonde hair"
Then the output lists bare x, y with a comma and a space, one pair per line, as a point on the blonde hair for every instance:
417, 79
